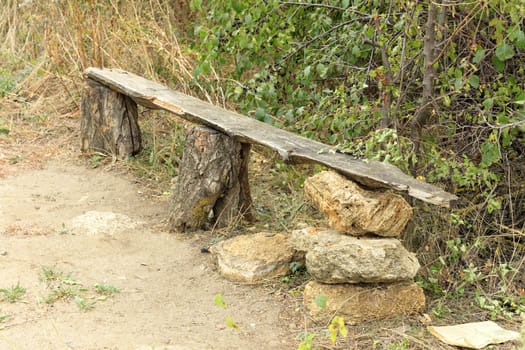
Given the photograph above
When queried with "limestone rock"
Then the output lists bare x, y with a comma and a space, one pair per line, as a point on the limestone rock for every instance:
252, 258
101, 223
355, 211
358, 303
335, 258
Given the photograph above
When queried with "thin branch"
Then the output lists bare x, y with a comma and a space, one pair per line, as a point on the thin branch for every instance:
306, 4
314, 39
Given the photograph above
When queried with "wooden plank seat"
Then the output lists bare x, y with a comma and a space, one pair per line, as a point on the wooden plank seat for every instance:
110, 99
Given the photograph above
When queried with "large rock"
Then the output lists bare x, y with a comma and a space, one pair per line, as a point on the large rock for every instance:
358, 303
335, 258
252, 258
355, 211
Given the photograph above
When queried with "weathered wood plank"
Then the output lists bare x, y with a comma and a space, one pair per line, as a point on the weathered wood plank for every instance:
291, 147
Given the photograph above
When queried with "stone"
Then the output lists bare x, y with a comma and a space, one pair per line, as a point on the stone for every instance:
254, 257
359, 303
100, 223
353, 210
335, 258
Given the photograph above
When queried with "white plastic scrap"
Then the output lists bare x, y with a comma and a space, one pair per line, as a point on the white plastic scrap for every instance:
474, 335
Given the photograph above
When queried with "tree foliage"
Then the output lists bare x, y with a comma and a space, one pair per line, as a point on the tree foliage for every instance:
435, 87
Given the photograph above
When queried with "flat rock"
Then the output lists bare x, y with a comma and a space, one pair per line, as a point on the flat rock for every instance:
359, 303
97, 223
254, 257
353, 210
335, 258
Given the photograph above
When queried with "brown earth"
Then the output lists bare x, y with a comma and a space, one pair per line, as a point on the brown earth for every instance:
167, 286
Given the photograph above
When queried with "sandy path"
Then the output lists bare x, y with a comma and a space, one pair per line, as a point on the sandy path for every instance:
167, 285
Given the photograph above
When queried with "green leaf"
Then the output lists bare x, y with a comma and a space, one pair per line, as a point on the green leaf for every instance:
4, 131
231, 323
490, 153
219, 301
446, 100
356, 51
488, 103
504, 52
478, 56
517, 37
320, 301
474, 81
196, 5
321, 70
492, 205
498, 64
307, 70
260, 114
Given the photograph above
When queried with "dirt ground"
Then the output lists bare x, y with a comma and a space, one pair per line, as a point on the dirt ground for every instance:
167, 286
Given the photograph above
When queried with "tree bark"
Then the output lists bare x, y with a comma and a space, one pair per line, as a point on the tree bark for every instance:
109, 122
212, 187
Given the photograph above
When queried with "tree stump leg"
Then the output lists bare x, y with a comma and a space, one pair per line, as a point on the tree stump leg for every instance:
212, 186
109, 122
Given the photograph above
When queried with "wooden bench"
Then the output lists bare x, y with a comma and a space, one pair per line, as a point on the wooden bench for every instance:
213, 177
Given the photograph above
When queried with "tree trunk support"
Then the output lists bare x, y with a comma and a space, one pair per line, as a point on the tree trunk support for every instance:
109, 122
212, 187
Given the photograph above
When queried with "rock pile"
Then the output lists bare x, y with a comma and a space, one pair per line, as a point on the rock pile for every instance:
359, 266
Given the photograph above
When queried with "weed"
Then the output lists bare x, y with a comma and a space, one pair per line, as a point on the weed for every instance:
336, 329
307, 341
400, 345
64, 287
218, 300
3, 317
440, 310
106, 289
13, 294
49, 275
96, 160
6, 84
62, 292
63, 230
83, 304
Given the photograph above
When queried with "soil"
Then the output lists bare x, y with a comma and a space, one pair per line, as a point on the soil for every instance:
167, 285
98, 223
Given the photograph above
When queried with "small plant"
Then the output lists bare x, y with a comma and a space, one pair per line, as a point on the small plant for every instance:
3, 317
49, 275
106, 289
307, 341
96, 160
400, 345
219, 301
63, 230
13, 294
64, 287
336, 328
83, 304
62, 292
